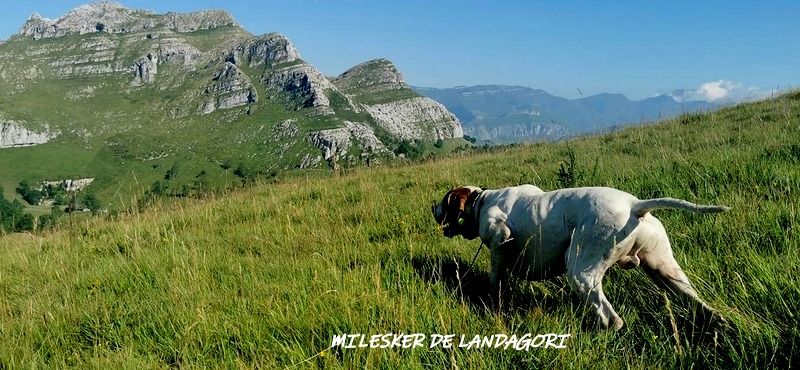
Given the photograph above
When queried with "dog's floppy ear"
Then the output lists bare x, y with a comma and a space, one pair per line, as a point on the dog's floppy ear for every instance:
457, 201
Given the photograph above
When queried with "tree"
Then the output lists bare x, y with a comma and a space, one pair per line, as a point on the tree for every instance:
12, 216
245, 173
33, 197
89, 200
46, 222
408, 148
24, 222
172, 173
56, 193
200, 182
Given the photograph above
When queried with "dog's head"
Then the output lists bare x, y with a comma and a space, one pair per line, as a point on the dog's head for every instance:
452, 213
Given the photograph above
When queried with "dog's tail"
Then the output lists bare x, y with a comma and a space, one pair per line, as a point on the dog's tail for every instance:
641, 207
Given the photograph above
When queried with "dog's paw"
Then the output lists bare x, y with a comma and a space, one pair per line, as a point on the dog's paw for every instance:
617, 324
614, 324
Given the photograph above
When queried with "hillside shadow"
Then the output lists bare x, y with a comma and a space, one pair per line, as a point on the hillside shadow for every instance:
474, 288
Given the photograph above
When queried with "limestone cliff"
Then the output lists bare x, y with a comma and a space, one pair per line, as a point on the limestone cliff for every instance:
516, 132
381, 90
301, 85
111, 17
344, 142
370, 77
416, 118
13, 135
229, 88
267, 50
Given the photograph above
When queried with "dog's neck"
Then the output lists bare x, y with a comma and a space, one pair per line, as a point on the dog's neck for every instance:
473, 205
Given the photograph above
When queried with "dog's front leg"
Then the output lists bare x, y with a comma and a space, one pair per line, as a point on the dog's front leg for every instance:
498, 241
498, 271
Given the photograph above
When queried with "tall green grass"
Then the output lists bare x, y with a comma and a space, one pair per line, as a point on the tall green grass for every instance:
265, 276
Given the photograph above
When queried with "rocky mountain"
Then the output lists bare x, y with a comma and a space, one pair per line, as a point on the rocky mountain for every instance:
126, 96
502, 114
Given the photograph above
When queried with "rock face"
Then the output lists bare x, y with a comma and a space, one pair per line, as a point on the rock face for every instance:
70, 185
177, 51
108, 16
91, 56
381, 91
12, 135
268, 50
195, 21
303, 84
229, 88
416, 118
285, 130
371, 76
516, 132
145, 69
337, 142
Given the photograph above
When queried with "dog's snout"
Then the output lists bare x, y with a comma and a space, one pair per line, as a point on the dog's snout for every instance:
436, 210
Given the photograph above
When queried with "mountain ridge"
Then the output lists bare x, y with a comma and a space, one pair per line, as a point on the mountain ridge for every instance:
123, 91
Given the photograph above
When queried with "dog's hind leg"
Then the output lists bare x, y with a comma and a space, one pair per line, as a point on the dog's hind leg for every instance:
661, 266
586, 265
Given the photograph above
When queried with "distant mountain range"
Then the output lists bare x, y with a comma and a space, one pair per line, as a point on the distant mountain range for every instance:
504, 114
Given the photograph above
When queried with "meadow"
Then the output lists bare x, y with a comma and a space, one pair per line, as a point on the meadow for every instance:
265, 276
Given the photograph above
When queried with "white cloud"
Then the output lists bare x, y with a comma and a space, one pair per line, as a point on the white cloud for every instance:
717, 90
721, 91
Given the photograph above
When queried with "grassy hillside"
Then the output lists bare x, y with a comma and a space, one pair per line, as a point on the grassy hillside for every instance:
264, 277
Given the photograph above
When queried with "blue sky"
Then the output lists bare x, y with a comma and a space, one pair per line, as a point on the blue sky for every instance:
638, 48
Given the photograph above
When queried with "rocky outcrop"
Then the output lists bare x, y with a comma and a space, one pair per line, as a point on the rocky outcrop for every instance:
267, 50
516, 132
416, 118
337, 142
299, 86
287, 129
229, 88
195, 21
288, 79
111, 17
70, 185
38, 27
371, 76
177, 51
102, 16
12, 135
91, 56
382, 92
145, 69
309, 160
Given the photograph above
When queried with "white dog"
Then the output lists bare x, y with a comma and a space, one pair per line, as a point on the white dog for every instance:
580, 232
